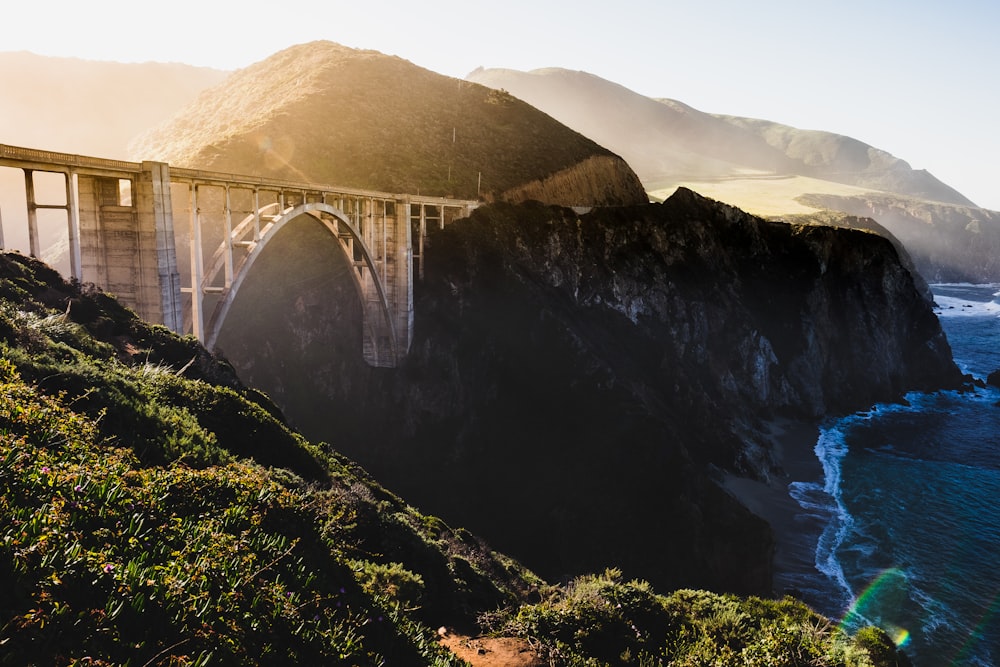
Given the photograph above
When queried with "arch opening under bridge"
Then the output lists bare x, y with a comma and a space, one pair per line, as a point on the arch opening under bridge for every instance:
382, 345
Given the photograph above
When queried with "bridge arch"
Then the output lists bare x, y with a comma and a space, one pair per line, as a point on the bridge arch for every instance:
382, 342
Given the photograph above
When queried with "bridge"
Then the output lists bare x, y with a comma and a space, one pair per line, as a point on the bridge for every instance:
175, 245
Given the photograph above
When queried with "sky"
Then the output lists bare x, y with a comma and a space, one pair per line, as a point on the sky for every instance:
916, 78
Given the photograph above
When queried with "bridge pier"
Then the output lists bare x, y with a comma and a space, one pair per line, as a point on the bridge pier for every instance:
127, 246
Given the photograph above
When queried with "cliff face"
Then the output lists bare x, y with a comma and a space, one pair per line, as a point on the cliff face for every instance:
573, 379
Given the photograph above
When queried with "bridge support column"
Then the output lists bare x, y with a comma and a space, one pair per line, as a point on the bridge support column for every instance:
128, 247
399, 260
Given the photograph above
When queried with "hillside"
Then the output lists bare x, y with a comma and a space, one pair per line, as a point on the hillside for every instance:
321, 112
667, 141
953, 243
159, 512
765, 167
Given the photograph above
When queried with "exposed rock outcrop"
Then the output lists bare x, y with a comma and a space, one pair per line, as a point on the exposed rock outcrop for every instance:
603, 178
574, 380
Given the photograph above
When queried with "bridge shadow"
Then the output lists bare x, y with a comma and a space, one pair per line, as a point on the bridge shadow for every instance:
294, 329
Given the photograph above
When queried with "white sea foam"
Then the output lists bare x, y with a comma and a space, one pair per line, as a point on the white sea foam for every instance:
830, 450
953, 306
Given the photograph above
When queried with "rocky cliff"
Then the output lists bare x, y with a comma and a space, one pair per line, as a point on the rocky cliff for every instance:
574, 380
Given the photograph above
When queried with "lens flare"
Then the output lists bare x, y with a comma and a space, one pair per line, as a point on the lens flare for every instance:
976, 637
900, 637
887, 591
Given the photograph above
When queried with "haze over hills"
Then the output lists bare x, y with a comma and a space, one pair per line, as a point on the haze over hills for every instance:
86, 107
668, 141
767, 168
322, 112
89, 107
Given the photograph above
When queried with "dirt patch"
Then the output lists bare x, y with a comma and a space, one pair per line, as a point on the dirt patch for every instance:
492, 651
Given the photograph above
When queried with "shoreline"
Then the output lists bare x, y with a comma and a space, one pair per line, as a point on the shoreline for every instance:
796, 529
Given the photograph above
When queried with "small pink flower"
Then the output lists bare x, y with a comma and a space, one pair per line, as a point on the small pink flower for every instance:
78, 488
45, 470
108, 567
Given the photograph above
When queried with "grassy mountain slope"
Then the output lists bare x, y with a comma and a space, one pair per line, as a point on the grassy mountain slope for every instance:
322, 112
158, 512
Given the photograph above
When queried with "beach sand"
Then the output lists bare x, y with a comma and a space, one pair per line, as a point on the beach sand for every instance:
796, 530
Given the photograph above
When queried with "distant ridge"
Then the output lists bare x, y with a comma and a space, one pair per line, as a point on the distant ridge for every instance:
668, 141
324, 112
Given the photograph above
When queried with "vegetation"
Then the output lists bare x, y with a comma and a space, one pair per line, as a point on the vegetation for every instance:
604, 620
156, 512
142, 525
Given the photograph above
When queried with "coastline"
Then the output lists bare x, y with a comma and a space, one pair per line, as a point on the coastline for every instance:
796, 529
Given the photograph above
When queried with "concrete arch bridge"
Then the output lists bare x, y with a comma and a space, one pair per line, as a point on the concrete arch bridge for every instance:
177, 244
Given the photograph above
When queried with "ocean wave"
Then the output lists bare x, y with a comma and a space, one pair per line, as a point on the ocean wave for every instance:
934, 286
937, 615
956, 306
831, 448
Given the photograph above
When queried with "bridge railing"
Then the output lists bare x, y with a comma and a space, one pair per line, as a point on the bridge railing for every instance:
41, 158
222, 179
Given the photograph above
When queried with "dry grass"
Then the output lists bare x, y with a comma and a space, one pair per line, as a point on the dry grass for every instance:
763, 195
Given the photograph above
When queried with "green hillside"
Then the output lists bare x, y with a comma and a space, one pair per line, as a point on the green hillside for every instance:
157, 512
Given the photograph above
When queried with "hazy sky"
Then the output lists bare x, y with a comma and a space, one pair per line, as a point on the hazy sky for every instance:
920, 78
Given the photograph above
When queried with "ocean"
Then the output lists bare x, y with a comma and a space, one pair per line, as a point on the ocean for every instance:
911, 505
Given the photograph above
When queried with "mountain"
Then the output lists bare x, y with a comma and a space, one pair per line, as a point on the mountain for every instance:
579, 384
667, 141
158, 511
322, 112
91, 107
765, 167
